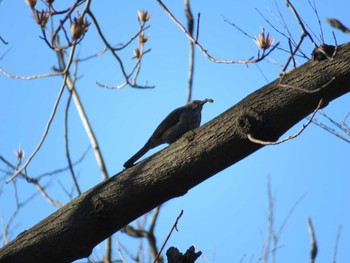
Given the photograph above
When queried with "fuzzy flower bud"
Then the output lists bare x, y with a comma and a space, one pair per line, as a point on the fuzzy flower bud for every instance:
143, 16
262, 41
79, 27
142, 39
41, 17
137, 53
19, 154
31, 3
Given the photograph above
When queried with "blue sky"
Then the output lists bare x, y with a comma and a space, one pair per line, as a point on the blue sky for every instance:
226, 216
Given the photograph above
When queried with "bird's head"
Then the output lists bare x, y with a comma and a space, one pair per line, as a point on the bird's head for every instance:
198, 103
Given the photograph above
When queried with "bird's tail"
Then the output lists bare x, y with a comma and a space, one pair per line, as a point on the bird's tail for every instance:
129, 163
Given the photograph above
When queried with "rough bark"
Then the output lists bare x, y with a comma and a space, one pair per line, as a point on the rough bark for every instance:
72, 231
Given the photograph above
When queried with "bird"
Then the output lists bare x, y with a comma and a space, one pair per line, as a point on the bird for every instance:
176, 124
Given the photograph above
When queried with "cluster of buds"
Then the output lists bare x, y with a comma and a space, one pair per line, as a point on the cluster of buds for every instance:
78, 27
41, 17
142, 39
142, 17
137, 53
262, 41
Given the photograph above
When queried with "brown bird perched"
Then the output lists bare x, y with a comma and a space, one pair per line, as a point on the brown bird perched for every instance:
176, 124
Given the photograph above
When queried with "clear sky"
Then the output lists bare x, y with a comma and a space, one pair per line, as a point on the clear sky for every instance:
225, 217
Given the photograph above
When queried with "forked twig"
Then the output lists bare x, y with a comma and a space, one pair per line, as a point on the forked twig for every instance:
53, 113
205, 52
168, 236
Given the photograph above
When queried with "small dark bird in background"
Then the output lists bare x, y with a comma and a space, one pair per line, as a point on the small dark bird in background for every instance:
338, 25
176, 124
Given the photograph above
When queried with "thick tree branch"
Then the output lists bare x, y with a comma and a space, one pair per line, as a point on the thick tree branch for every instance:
72, 231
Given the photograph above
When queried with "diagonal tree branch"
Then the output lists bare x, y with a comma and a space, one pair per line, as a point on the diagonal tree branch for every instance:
76, 228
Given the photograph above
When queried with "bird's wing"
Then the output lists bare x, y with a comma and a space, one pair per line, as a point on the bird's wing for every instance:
172, 119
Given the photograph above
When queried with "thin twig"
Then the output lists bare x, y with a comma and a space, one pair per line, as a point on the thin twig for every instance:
330, 130
150, 234
100, 53
304, 90
292, 54
108, 250
314, 8
335, 251
119, 60
44, 194
154, 219
120, 251
301, 24
344, 126
190, 26
83, 117
6, 227
205, 52
304, 33
141, 29
39, 76
270, 220
3, 41
66, 144
63, 169
257, 141
53, 113
237, 27
168, 236
313, 251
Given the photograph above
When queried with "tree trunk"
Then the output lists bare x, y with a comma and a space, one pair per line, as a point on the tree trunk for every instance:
74, 230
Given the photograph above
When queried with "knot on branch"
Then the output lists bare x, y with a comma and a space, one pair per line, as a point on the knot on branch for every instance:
175, 256
249, 122
100, 210
323, 52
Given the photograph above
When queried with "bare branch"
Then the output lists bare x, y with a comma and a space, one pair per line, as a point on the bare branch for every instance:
39, 76
53, 113
120, 251
45, 195
237, 27
66, 144
301, 24
154, 219
168, 236
3, 41
6, 227
314, 8
190, 26
205, 52
336, 244
304, 90
119, 60
100, 53
83, 117
343, 127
